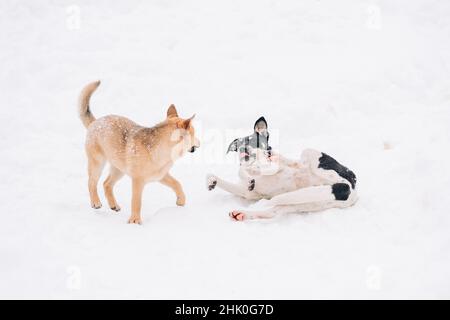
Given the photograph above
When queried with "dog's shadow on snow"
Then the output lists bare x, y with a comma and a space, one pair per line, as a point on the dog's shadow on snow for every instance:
170, 211
229, 200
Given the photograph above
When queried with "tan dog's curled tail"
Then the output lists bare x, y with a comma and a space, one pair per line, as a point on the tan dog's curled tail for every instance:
83, 105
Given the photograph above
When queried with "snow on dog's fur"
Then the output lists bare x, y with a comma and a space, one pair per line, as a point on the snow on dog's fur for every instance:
146, 154
314, 182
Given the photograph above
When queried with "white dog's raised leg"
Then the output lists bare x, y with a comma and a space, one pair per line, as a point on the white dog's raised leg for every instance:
240, 215
236, 189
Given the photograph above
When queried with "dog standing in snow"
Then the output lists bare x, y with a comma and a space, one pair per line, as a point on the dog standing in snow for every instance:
144, 154
313, 183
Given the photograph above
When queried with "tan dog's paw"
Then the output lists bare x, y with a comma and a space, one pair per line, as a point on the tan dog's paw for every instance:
97, 205
116, 208
181, 201
237, 215
211, 181
135, 220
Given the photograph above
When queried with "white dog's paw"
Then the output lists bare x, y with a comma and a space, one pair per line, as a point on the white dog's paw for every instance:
251, 184
211, 182
237, 215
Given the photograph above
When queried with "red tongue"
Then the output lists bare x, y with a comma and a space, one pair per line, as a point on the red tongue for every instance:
242, 154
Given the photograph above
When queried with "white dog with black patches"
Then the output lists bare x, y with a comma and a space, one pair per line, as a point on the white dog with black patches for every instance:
315, 182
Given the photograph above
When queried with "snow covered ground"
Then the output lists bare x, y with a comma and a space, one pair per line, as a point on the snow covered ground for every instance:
365, 81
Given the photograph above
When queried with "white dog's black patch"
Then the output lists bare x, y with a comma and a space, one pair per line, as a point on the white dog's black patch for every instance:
328, 163
341, 191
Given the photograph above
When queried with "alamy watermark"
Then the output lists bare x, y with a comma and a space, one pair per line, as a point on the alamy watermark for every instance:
374, 277
374, 18
73, 280
214, 144
73, 18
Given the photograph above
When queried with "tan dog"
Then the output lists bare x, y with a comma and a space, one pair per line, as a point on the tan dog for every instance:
145, 154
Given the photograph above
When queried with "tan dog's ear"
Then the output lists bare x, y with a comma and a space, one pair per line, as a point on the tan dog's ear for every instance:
172, 111
185, 124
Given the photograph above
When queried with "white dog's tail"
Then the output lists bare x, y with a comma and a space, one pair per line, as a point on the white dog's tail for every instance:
83, 105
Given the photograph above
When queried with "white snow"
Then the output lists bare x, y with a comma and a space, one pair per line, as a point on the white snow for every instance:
368, 82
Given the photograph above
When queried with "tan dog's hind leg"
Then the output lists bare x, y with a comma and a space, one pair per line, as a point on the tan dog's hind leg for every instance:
173, 183
136, 200
95, 167
114, 176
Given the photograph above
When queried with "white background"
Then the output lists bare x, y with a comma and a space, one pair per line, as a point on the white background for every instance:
368, 82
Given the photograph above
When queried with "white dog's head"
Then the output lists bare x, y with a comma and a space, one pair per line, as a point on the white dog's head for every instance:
255, 146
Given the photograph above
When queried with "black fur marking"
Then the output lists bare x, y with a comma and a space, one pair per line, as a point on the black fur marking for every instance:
328, 163
341, 191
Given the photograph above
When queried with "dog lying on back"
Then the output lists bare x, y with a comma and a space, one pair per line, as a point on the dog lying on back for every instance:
313, 183
144, 154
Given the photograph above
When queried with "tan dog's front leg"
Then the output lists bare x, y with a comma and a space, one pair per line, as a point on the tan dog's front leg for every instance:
95, 168
173, 183
136, 200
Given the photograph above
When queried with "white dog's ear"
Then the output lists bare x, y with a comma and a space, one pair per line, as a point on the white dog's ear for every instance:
233, 146
172, 111
260, 125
